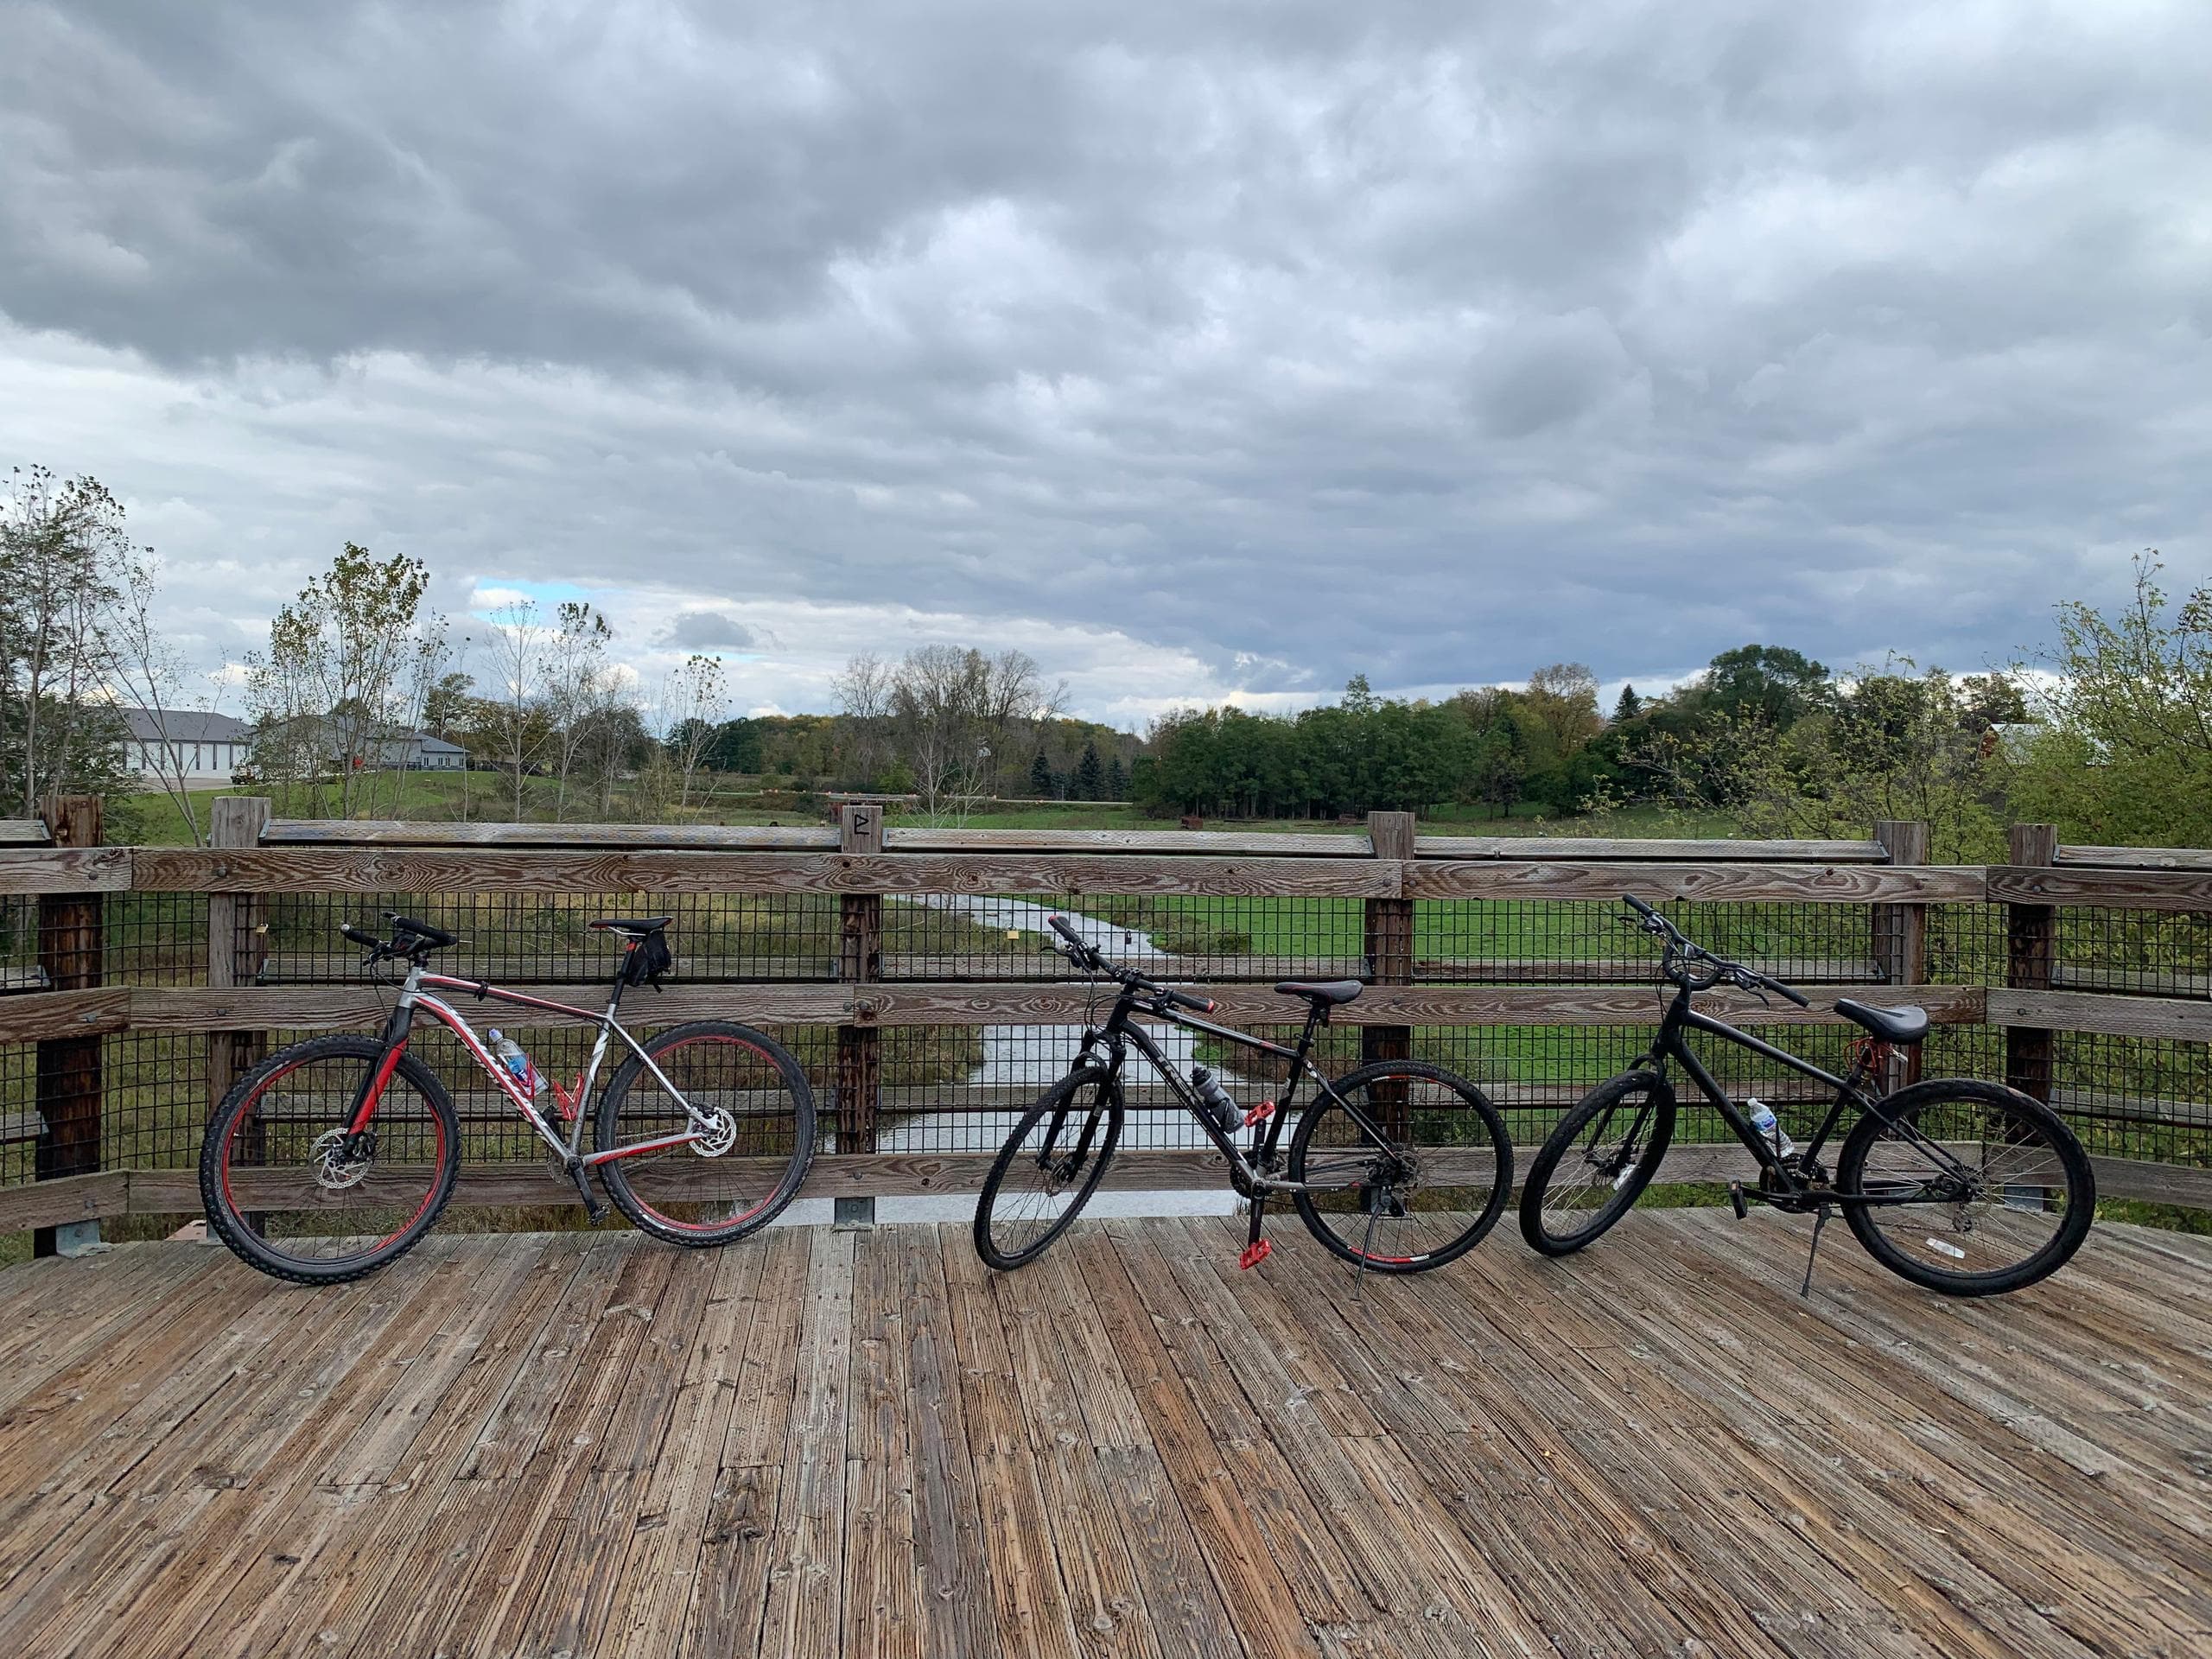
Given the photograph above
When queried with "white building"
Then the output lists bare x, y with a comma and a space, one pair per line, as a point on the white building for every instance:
201, 748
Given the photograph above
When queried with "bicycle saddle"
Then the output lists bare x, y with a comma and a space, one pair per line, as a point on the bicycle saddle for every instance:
640, 924
1904, 1024
1332, 991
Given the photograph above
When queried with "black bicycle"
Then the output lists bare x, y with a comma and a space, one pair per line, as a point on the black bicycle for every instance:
1398, 1166
1965, 1188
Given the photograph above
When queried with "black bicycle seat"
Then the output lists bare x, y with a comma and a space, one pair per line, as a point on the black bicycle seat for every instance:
1901, 1024
640, 924
1332, 991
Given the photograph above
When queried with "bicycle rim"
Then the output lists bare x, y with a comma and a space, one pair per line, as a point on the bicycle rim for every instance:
292, 1191
742, 1171
1047, 1170
1972, 1193
1597, 1164
1421, 1195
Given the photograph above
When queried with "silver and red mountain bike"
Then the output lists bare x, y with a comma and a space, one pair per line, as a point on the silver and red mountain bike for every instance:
332, 1157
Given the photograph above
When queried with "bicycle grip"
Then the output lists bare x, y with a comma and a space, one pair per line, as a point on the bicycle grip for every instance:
1059, 925
1639, 907
1798, 997
1195, 1004
347, 930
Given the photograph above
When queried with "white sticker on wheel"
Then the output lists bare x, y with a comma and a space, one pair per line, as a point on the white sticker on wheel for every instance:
1950, 1249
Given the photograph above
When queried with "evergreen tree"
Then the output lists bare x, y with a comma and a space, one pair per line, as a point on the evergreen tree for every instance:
1629, 707
1040, 777
1117, 781
1090, 776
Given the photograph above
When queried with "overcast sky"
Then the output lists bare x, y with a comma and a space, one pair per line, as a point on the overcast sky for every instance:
1198, 350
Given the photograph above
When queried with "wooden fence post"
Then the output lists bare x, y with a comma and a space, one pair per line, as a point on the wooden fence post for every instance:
73, 951
1900, 933
1389, 937
2031, 965
238, 942
860, 961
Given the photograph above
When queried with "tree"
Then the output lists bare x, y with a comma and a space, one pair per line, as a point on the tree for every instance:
62, 557
693, 703
517, 725
1629, 707
2125, 753
350, 664
865, 696
147, 671
1090, 776
1041, 783
1117, 781
957, 717
580, 688
1776, 684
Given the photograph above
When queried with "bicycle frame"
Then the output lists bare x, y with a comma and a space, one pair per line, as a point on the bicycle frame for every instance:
416, 996
1121, 1031
1671, 1043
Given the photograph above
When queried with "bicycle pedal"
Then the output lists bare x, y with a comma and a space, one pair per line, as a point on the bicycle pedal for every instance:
1736, 1198
1255, 1253
1260, 1114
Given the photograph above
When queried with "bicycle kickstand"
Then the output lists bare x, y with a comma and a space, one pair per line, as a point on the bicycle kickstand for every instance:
1820, 1220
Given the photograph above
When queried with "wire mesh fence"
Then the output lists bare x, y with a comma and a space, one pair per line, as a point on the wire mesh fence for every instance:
956, 1089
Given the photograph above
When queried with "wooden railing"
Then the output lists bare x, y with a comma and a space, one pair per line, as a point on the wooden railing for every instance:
1389, 870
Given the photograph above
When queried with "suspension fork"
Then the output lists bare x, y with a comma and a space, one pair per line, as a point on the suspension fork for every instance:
375, 1080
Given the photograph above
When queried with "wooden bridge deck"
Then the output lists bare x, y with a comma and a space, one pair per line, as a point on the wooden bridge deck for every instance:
861, 1443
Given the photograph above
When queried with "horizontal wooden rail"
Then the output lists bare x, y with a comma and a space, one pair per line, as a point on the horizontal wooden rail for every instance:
1824, 884
2179, 1018
2140, 858
1579, 850
326, 1007
920, 1174
400, 869
24, 832
1353, 843
2163, 889
388, 832
64, 869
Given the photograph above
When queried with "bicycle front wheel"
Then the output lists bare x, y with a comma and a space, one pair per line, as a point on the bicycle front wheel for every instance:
1596, 1163
1048, 1168
748, 1102
295, 1190
1421, 1192
1965, 1188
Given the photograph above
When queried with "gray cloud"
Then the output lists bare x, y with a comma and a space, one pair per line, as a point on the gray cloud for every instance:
1432, 341
707, 631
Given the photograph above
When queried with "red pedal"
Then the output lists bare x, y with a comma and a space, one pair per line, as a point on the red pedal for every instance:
1260, 1114
1255, 1253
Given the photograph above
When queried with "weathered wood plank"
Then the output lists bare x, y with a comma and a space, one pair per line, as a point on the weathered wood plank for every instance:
362, 869
385, 832
2135, 1177
1579, 849
1831, 884
2181, 888
64, 869
2179, 1018
193, 1008
40, 1016
23, 832
2139, 858
1212, 843
73, 1197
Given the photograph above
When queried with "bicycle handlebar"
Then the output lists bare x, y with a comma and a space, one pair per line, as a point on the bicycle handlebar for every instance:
1088, 957
1681, 949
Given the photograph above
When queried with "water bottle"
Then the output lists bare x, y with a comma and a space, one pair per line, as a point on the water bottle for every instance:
1226, 1112
511, 1055
1764, 1120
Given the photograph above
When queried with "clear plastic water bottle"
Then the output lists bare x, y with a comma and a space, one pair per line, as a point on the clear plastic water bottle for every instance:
511, 1055
1764, 1120
1226, 1112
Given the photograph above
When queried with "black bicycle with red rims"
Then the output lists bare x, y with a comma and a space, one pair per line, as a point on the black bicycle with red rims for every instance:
1398, 1166
334, 1157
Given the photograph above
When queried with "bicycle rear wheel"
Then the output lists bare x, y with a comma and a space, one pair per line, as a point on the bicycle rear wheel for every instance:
294, 1191
1972, 1188
1048, 1168
1420, 1197
1596, 1163
739, 1177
